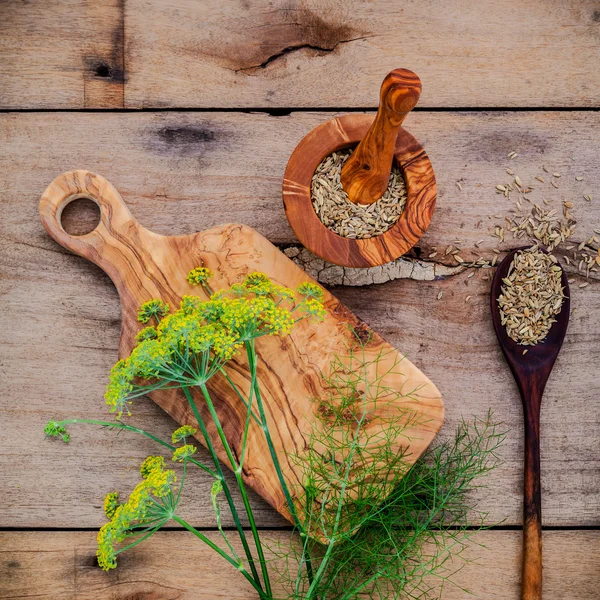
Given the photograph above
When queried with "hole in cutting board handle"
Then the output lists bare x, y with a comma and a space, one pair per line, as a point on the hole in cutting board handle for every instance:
80, 216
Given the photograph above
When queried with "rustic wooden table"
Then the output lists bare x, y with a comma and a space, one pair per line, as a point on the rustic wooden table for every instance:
192, 108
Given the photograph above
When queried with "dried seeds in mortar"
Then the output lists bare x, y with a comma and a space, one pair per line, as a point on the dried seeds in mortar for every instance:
338, 213
531, 296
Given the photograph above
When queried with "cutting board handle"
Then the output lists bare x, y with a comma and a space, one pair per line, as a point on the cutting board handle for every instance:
114, 215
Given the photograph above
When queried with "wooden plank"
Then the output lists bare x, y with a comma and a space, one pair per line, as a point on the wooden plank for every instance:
61, 566
185, 172
59, 54
312, 53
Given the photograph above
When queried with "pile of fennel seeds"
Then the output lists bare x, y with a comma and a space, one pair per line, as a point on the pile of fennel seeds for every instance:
531, 296
346, 218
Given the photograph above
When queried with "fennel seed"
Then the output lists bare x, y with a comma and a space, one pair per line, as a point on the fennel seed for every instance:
346, 218
531, 296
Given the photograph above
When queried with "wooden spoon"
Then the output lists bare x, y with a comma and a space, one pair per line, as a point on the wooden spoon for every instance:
366, 174
531, 372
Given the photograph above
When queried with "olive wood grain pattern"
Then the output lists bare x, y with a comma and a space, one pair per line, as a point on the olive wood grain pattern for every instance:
145, 265
531, 372
365, 175
346, 132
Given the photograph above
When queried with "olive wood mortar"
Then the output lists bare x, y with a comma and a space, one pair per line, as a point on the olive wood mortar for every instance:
145, 265
374, 136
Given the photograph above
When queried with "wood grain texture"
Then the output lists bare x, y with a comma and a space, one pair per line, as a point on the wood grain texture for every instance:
531, 372
169, 566
312, 53
307, 53
366, 173
62, 54
344, 132
182, 173
144, 265
186, 172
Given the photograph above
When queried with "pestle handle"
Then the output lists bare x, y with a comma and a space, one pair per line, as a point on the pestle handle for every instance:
366, 174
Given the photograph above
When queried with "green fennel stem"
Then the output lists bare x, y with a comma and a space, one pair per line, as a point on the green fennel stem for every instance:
349, 460
251, 352
124, 427
210, 447
372, 525
223, 554
241, 486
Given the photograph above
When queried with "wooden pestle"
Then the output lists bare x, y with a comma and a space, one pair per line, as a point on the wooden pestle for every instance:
366, 174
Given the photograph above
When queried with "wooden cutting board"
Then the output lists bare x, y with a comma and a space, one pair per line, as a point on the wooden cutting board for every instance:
144, 265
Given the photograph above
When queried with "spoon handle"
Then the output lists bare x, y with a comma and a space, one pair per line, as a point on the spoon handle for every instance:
531, 588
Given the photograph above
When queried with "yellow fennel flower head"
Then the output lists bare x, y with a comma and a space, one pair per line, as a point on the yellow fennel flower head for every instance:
226, 344
202, 338
111, 503
119, 387
212, 310
149, 358
183, 432
314, 308
277, 320
189, 304
283, 292
152, 308
160, 481
311, 290
248, 318
152, 463
260, 284
106, 553
141, 508
148, 333
218, 295
199, 276
184, 452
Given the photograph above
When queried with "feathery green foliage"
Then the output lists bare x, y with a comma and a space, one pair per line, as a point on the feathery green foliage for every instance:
367, 524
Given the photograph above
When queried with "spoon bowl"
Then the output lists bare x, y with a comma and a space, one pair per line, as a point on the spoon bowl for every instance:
536, 364
531, 372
